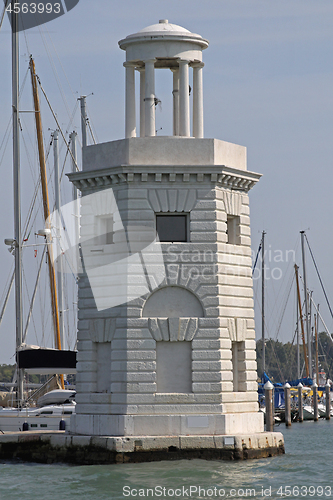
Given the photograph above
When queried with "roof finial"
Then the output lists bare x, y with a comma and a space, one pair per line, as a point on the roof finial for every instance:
163, 21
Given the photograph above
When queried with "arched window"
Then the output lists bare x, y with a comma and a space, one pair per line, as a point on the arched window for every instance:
172, 302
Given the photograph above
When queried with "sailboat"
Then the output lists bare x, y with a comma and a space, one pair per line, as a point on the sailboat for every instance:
56, 406
308, 409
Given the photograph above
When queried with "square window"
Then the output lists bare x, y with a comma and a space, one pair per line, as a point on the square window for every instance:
233, 229
172, 227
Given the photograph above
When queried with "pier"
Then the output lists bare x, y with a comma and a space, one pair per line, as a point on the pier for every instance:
294, 409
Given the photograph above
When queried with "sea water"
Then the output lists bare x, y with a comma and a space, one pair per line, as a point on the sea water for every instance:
305, 471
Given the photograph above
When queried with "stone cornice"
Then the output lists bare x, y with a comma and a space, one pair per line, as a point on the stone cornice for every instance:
241, 180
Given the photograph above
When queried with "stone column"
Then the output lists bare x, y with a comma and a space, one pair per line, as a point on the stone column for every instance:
142, 100
184, 99
198, 101
130, 121
175, 94
150, 129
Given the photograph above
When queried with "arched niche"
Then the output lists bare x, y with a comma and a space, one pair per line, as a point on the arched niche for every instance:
172, 302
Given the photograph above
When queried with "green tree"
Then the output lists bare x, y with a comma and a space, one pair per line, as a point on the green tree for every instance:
281, 359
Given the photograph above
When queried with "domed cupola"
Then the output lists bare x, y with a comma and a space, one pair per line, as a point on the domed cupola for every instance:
164, 45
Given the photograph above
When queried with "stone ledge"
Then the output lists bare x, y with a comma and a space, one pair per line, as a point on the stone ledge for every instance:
42, 447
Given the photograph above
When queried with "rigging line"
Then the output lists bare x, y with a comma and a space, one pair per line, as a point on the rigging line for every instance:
73, 115
289, 356
289, 353
20, 95
32, 302
49, 149
278, 294
7, 297
91, 132
35, 207
9, 277
277, 359
29, 161
285, 306
322, 351
282, 299
26, 288
50, 169
57, 122
10, 284
55, 50
63, 167
3, 13
70, 124
320, 316
7, 133
256, 299
24, 82
259, 305
54, 69
31, 210
257, 256
26, 41
91, 126
321, 282
282, 316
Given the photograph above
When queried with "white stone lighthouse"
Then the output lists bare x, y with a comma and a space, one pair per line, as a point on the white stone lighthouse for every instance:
166, 339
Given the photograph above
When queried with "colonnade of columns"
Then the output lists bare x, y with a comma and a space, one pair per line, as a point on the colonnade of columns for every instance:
181, 99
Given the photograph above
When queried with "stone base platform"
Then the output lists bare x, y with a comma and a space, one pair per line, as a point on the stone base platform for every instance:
46, 447
251, 422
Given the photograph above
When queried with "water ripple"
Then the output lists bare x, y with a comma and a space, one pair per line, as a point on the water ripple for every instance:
309, 454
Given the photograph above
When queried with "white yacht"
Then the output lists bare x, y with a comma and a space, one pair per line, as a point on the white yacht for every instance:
53, 413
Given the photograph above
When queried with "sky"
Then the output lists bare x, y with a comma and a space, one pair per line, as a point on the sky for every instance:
268, 85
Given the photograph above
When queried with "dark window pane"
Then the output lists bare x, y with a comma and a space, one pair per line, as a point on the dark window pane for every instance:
171, 227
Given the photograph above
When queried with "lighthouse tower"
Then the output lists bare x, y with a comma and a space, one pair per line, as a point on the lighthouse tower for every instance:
166, 339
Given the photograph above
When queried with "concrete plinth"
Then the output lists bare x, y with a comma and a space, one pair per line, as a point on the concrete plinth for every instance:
54, 447
166, 425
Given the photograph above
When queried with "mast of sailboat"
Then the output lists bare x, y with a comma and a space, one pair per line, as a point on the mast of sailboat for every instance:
316, 344
17, 197
46, 207
306, 299
263, 301
83, 106
60, 278
297, 336
302, 324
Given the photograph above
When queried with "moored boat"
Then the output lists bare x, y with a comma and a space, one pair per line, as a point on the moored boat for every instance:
53, 413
